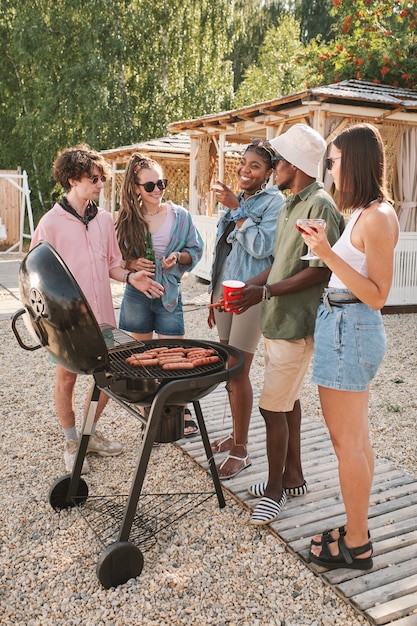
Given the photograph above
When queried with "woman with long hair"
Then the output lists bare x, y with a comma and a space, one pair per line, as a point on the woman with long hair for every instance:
349, 338
159, 237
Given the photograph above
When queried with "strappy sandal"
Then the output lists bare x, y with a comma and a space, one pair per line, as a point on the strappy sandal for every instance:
346, 558
189, 423
327, 536
245, 462
222, 444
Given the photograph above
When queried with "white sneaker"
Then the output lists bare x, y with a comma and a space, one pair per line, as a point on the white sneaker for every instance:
102, 446
70, 453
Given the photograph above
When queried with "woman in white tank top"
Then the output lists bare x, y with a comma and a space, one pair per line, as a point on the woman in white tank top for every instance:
349, 336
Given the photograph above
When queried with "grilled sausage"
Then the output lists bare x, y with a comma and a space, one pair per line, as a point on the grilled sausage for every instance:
180, 365
141, 362
205, 360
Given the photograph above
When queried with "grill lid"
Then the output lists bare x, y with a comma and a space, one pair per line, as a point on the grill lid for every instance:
59, 313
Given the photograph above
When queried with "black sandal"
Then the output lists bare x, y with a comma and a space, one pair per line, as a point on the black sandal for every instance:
189, 423
327, 536
346, 557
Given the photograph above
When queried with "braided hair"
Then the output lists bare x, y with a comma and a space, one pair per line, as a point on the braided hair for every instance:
131, 226
264, 150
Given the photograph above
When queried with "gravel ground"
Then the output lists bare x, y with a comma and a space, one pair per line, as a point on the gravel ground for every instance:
211, 567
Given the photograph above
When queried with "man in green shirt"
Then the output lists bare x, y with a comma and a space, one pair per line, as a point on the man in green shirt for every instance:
290, 289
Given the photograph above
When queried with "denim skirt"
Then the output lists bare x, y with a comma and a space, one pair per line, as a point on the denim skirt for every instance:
349, 345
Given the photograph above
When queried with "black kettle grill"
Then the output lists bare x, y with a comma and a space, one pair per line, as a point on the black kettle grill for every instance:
58, 317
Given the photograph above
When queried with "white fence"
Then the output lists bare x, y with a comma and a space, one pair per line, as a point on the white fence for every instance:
404, 285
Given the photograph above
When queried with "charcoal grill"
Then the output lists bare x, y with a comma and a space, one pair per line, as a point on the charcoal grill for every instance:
58, 317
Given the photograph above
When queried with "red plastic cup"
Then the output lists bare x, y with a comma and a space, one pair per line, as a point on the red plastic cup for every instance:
229, 288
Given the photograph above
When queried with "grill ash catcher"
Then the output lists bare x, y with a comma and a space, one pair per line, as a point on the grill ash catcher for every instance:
58, 317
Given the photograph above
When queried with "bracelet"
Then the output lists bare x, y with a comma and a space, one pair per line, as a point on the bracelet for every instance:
178, 255
266, 292
127, 277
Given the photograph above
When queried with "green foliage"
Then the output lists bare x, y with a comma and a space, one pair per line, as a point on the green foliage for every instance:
315, 18
374, 41
276, 72
105, 72
116, 72
252, 19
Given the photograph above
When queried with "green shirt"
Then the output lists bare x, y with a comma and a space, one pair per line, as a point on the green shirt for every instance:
292, 316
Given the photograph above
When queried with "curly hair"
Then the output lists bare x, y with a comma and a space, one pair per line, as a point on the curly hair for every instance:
77, 162
131, 225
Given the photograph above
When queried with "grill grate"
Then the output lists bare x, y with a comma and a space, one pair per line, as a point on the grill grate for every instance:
154, 513
118, 365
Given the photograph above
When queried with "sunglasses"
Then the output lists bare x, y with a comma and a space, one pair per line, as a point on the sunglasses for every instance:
162, 184
95, 179
267, 146
330, 162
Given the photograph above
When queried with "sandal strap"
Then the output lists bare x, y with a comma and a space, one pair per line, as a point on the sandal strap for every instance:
350, 553
362, 549
325, 550
327, 535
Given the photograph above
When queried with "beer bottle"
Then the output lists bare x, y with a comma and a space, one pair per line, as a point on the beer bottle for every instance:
149, 251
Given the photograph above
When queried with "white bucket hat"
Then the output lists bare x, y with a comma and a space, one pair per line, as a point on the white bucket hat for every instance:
301, 146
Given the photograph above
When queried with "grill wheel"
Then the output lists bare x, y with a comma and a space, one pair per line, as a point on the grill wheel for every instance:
59, 491
118, 563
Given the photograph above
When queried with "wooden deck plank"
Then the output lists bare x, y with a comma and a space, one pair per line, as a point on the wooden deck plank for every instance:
385, 613
385, 594
390, 591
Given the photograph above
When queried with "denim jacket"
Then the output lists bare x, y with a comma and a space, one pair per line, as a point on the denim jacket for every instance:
252, 243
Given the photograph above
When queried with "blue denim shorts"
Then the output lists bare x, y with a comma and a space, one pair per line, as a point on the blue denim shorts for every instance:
142, 315
349, 345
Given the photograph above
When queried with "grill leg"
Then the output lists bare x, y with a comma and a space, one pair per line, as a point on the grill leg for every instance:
82, 446
137, 483
209, 454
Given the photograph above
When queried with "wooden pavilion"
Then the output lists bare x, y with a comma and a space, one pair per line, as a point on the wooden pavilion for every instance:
328, 109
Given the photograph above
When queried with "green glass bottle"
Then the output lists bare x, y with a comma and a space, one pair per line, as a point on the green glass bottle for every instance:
149, 251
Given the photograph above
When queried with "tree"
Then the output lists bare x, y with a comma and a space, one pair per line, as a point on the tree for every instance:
276, 73
106, 72
315, 19
374, 41
252, 19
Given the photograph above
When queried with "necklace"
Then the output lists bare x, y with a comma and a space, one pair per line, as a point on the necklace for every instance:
155, 212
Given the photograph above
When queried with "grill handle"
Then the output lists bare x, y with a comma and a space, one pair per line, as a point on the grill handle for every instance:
20, 341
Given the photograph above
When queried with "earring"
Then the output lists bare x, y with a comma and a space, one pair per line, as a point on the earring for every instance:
264, 184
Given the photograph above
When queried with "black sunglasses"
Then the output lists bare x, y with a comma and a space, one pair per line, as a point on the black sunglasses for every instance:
162, 184
329, 162
95, 179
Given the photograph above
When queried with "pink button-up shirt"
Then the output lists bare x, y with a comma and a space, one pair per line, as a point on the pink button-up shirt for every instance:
89, 253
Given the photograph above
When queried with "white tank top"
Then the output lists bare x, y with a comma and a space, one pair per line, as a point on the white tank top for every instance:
351, 255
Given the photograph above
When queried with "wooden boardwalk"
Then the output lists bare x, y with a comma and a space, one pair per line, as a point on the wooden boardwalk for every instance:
385, 595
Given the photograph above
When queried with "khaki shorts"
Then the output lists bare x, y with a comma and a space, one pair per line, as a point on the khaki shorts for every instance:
286, 364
